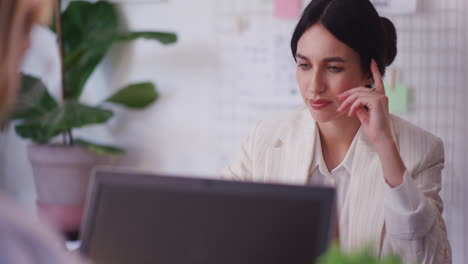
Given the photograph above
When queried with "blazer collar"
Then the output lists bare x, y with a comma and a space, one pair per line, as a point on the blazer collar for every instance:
293, 151
292, 155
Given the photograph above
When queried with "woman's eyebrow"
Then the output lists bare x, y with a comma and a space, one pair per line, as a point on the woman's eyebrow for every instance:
329, 59
334, 59
300, 56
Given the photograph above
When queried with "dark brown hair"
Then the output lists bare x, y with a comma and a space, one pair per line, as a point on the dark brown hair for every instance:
355, 23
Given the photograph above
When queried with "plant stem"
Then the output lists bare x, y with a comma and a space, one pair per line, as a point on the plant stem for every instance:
70, 137
58, 30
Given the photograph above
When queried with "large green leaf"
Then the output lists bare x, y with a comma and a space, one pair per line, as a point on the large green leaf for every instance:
89, 31
33, 99
68, 116
163, 37
77, 74
86, 24
365, 255
88, 47
137, 96
100, 149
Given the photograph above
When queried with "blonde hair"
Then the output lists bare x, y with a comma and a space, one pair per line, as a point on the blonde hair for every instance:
17, 18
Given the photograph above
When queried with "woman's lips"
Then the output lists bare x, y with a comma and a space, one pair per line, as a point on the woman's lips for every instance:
319, 104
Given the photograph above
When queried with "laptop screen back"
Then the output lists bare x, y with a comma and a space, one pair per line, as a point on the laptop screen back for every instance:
136, 218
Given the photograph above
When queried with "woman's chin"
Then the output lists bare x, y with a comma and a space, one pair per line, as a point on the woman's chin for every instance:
324, 116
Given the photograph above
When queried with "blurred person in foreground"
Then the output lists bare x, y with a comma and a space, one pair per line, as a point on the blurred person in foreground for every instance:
23, 238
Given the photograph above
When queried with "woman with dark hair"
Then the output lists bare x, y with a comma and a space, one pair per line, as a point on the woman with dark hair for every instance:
387, 172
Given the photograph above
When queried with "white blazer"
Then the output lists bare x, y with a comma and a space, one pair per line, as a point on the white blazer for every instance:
281, 151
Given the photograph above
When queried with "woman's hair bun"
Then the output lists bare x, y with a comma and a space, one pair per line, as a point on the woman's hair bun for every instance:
390, 40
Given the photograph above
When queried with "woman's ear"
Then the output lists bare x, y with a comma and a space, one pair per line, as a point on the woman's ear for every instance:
369, 81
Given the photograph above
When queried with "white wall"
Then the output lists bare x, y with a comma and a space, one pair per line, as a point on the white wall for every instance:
213, 88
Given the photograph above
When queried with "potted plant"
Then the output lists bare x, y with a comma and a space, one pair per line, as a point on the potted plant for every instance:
85, 32
365, 256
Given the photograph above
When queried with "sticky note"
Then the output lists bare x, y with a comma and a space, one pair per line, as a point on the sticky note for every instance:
398, 98
287, 8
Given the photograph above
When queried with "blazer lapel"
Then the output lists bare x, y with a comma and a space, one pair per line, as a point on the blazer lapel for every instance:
366, 191
289, 159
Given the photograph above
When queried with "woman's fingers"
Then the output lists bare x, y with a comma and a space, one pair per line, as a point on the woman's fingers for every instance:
358, 104
347, 102
379, 86
363, 116
350, 100
346, 94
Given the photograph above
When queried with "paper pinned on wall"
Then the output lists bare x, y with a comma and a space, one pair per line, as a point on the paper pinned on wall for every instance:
398, 98
395, 7
397, 93
288, 8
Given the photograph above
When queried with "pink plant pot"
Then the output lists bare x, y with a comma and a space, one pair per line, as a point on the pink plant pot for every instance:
61, 175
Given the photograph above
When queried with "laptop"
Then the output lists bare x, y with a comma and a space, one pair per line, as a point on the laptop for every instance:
135, 217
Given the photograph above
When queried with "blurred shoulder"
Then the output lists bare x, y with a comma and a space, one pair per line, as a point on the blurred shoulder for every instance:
25, 239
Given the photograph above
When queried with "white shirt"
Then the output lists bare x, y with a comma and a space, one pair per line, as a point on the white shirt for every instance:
400, 200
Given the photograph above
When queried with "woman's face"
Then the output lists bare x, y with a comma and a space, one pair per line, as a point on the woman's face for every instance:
326, 67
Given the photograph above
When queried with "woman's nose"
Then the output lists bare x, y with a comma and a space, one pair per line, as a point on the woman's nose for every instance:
316, 84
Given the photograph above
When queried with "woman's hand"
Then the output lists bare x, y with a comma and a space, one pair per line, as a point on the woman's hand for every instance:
371, 107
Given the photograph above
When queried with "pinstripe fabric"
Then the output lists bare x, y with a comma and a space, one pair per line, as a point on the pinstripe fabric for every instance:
281, 151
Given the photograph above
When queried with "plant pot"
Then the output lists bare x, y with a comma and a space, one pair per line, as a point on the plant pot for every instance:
61, 175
